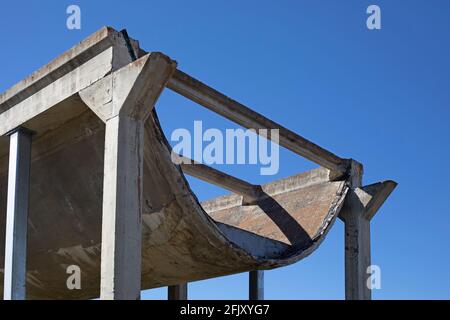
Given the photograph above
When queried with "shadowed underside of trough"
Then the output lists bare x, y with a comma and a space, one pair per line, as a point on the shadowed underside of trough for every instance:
182, 240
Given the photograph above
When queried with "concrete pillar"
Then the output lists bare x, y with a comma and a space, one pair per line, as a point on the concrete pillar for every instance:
130, 99
122, 205
178, 292
357, 240
256, 285
357, 256
17, 215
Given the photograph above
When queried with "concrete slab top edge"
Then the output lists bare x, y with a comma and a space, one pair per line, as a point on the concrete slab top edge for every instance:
63, 64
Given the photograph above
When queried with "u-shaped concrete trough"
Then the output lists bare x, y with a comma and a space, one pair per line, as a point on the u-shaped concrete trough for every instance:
182, 240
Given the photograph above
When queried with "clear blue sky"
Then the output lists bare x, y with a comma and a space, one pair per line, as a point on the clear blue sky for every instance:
381, 97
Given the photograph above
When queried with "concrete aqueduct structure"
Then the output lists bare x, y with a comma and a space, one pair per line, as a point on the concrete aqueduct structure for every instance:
86, 179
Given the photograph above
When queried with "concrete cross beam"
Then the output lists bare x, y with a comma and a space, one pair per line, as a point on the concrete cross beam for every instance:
250, 193
212, 99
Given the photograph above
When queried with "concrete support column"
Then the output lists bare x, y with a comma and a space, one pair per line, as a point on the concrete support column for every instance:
17, 215
122, 206
357, 256
124, 104
178, 292
357, 239
256, 285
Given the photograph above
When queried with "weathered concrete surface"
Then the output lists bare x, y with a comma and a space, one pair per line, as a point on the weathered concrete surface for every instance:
360, 206
181, 243
212, 99
182, 240
178, 292
256, 285
91, 60
17, 214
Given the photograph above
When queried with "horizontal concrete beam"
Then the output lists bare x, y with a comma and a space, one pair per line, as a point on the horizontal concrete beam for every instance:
249, 191
208, 97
